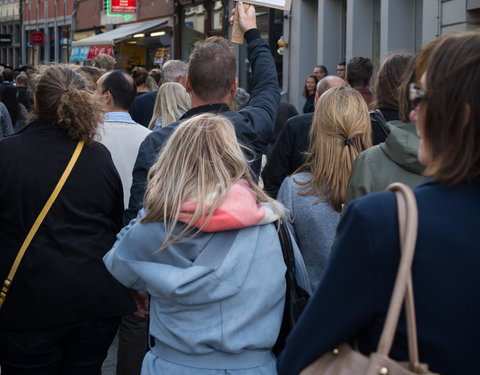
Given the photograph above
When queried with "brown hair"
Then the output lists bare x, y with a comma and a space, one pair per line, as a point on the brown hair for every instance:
63, 98
200, 161
386, 88
140, 75
340, 131
452, 113
305, 91
211, 70
409, 76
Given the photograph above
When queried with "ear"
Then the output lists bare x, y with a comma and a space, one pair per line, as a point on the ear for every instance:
109, 98
316, 98
233, 88
188, 85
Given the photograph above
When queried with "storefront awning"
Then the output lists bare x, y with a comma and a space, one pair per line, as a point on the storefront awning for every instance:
111, 37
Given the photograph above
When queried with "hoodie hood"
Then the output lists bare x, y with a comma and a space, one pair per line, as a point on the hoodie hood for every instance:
402, 144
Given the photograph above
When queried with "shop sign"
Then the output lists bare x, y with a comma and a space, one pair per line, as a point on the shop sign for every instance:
36, 38
123, 6
97, 50
5, 39
79, 53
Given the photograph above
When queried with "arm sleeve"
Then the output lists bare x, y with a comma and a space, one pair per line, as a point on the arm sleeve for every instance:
278, 163
264, 96
118, 259
6, 121
343, 303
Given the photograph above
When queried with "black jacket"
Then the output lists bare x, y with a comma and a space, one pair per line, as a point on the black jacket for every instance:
288, 153
253, 124
61, 278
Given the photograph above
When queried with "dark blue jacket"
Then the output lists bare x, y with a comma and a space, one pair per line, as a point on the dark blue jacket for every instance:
288, 152
142, 108
352, 298
253, 124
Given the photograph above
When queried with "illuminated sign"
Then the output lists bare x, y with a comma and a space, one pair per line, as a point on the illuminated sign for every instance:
123, 6
36, 38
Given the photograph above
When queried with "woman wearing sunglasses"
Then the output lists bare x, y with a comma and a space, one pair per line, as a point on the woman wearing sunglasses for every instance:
351, 301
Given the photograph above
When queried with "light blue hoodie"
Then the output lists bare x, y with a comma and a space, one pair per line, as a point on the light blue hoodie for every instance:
216, 301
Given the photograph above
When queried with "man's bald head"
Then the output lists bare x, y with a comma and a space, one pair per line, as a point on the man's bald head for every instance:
327, 83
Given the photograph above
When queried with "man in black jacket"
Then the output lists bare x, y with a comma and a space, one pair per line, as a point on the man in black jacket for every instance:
211, 81
289, 151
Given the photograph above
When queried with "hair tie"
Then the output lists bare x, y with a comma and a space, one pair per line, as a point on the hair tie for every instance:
347, 142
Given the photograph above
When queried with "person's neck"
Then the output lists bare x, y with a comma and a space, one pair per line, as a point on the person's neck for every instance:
115, 109
197, 102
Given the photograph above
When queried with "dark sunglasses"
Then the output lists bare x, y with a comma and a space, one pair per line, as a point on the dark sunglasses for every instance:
416, 95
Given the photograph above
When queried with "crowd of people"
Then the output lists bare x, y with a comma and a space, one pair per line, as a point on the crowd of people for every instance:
146, 210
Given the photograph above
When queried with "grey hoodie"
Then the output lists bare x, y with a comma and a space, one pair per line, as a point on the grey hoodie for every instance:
395, 160
216, 300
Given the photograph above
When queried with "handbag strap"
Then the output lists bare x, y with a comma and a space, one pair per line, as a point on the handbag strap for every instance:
287, 249
403, 289
38, 221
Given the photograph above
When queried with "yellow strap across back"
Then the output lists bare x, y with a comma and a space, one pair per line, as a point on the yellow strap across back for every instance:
36, 224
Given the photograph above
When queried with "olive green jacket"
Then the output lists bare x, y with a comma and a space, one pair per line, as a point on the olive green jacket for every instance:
395, 160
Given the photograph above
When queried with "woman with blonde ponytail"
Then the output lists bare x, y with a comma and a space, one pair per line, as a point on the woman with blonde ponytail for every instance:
315, 194
206, 248
63, 307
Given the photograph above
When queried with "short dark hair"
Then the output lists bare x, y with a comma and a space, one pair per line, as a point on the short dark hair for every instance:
341, 63
452, 113
211, 70
389, 77
323, 69
8, 74
122, 87
359, 71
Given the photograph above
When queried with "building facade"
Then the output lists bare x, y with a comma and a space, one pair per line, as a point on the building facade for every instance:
46, 30
10, 33
329, 31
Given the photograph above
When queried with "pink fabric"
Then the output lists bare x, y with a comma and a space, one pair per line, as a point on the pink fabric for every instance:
239, 210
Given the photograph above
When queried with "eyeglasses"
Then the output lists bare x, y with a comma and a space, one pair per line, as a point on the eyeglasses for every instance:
416, 95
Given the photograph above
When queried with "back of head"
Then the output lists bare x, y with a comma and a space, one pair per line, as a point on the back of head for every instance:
156, 74
386, 89
211, 70
200, 162
22, 80
173, 69
174, 101
62, 98
104, 61
327, 83
122, 87
359, 71
8, 74
340, 131
139, 74
452, 108
92, 75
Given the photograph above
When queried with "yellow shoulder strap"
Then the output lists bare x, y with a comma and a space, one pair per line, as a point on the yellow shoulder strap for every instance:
36, 224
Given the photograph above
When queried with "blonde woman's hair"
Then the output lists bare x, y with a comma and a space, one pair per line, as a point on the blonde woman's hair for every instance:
200, 161
64, 98
340, 131
171, 102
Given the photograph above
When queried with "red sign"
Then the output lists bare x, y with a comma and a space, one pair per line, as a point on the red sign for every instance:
36, 38
97, 50
123, 6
